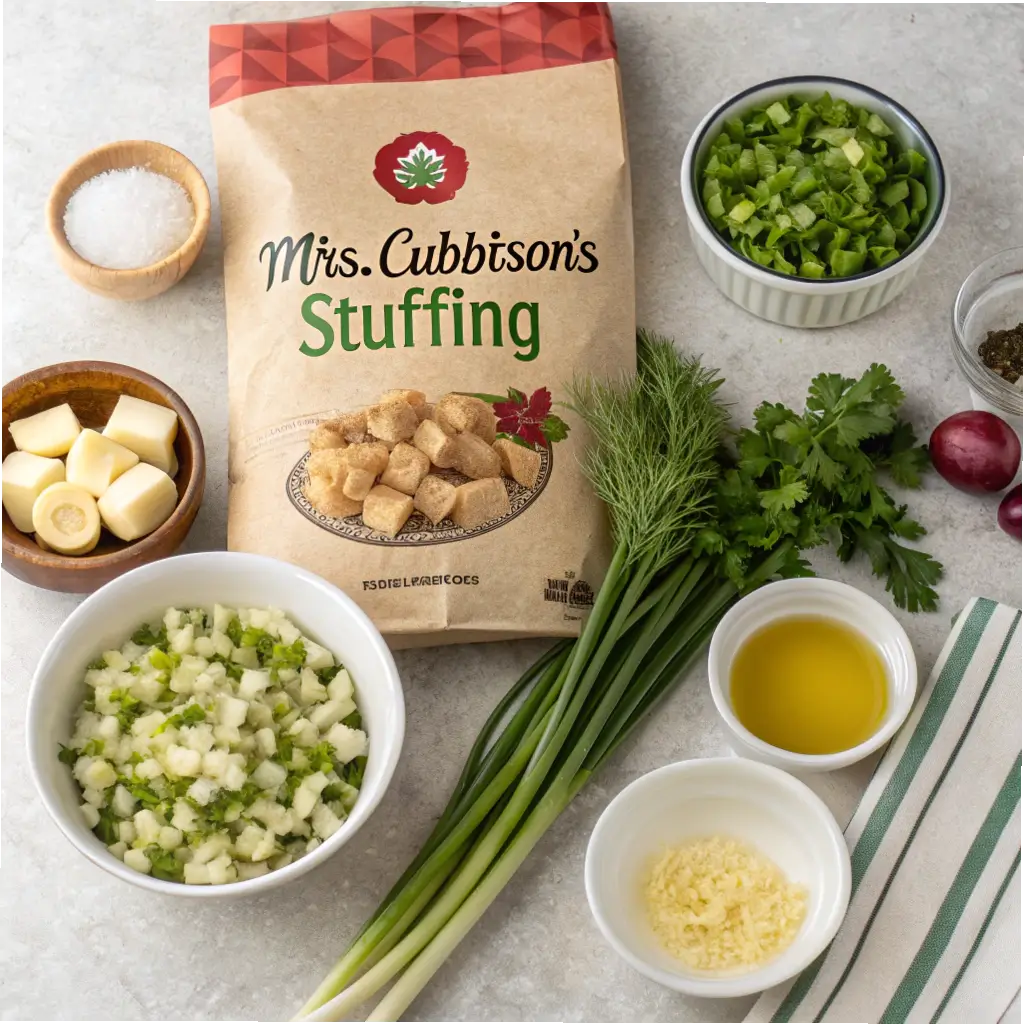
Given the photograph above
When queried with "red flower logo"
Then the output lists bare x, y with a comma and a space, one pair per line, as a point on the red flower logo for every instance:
530, 419
421, 167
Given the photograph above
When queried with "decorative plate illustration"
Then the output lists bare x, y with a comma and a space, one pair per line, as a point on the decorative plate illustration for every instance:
418, 531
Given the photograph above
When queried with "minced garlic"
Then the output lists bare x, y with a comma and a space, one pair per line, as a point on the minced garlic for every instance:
718, 905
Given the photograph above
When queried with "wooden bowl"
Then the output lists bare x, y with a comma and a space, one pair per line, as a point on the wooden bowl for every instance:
92, 390
144, 282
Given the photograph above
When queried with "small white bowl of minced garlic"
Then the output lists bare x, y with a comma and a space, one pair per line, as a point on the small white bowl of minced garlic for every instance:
718, 877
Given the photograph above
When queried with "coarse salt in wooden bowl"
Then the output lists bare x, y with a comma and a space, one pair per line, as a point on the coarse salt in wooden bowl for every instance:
142, 282
92, 390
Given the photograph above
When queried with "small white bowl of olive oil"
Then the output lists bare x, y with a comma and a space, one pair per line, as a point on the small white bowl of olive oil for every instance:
811, 675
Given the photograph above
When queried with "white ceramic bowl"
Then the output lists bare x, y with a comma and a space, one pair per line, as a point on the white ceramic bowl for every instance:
812, 596
731, 797
106, 618
795, 301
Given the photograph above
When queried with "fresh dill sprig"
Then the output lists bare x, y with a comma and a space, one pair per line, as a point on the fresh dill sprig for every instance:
651, 460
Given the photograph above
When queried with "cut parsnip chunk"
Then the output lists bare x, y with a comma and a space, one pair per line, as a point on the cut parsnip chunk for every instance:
48, 433
95, 462
147, 429
25, 477
138, 860
138, 501
66, 517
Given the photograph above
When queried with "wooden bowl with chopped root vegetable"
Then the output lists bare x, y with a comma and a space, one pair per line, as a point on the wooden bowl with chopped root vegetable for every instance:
146, 503
132, 219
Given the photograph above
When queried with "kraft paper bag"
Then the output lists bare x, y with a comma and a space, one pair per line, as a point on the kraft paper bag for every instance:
427, 233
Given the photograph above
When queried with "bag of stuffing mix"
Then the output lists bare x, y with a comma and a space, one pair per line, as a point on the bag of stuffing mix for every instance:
427, 232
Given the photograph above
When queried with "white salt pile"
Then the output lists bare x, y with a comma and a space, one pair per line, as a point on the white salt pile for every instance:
128, 218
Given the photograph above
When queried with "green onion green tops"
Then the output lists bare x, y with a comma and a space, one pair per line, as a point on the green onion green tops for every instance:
819, 190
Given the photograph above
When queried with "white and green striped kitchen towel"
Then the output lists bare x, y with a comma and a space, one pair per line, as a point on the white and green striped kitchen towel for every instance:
933, 932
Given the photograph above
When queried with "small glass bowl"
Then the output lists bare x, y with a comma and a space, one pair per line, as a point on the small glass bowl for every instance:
989, 300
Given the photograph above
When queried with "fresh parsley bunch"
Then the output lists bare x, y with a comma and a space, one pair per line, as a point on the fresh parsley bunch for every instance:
801, 480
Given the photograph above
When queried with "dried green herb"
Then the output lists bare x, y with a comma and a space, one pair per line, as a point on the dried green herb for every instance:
1003, 353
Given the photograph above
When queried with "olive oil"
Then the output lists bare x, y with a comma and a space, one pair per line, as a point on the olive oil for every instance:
809, 685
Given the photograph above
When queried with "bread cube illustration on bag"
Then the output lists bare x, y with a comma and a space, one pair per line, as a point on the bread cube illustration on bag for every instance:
479, 502
435, 498
386, 510
436, 470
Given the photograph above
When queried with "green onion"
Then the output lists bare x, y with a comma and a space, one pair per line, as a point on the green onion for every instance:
146, 636
287, 656
163, 661
107, 827
130, 708
653, 463
192, 714
164, 864
815, 189
234, 631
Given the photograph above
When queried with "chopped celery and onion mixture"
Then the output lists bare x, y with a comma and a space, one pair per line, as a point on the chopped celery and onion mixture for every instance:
816, 189
216, 747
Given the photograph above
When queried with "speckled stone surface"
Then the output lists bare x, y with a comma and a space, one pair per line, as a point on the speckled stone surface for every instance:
76, 944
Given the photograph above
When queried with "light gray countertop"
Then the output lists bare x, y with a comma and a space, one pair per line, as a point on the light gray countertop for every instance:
77, 944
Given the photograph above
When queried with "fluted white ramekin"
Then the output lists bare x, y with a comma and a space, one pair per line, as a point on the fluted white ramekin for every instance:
797, 301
